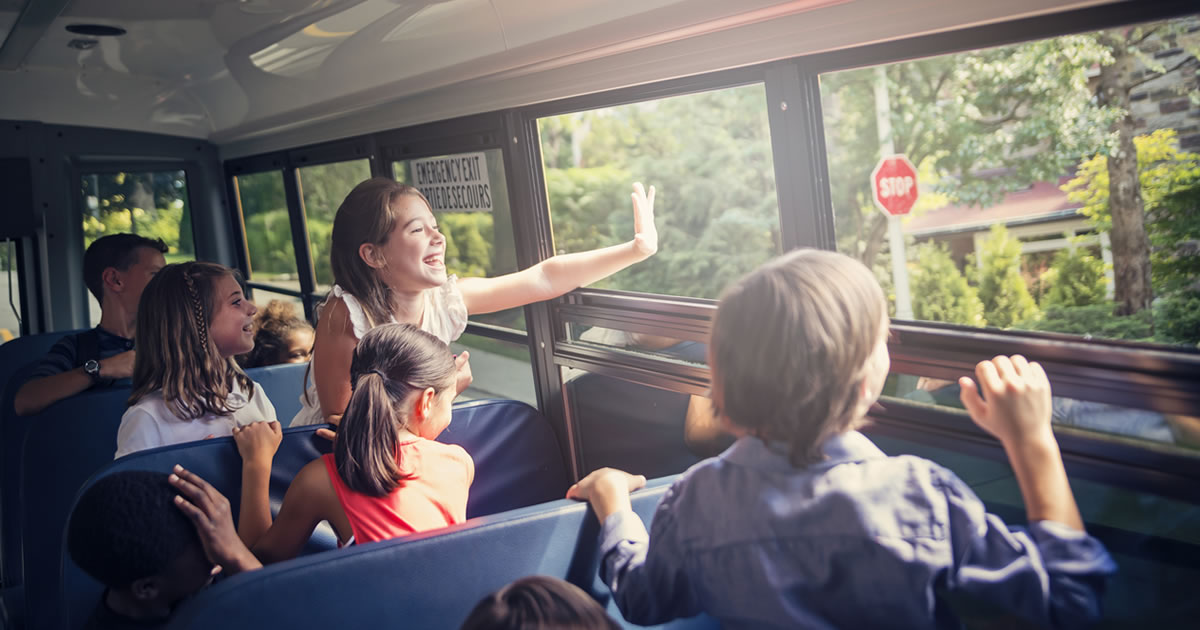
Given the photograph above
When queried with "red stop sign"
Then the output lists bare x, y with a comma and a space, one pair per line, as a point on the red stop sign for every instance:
894, 184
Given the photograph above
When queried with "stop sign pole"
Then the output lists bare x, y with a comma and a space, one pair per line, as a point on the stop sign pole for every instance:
894, 184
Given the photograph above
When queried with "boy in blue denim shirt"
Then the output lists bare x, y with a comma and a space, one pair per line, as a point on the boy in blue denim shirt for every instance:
803, 522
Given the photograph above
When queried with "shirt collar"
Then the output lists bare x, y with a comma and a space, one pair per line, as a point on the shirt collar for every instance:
753, 452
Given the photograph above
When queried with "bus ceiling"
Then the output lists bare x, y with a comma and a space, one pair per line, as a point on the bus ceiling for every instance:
233, 71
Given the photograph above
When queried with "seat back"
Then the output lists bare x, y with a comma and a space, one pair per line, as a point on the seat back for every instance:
284, 384
64, 445
218, 462
516, 453
517, 464
428, 581
20, 351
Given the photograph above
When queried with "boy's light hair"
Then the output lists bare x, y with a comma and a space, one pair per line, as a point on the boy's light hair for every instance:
789, 345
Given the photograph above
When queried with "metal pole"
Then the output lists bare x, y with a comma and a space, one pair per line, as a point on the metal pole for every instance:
883, 123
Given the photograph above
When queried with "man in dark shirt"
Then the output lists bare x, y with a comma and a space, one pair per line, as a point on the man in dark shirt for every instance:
115, 268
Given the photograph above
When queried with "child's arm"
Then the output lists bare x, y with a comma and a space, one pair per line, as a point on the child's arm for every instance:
1016, 409
257, 444
333, 350
644, 571
310, 499
557, 275
209, 513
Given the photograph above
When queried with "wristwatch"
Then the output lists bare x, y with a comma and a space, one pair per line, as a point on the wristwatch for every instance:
92, 368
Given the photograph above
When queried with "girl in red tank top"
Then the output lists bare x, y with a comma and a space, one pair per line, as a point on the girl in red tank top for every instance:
386, 477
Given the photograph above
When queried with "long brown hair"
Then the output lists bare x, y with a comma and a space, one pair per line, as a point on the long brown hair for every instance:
391, 363
790, 343
366, 216
175, 353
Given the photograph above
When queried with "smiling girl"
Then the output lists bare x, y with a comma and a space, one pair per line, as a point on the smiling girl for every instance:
389, 265
192, 321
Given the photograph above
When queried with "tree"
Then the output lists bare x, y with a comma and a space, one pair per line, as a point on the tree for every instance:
1075, 278
945, 295
152, 204
1169, 181
1005, 297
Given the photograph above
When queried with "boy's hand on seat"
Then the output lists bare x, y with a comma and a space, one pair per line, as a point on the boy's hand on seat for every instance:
258, 442
209, 512
607, 489
1015, 406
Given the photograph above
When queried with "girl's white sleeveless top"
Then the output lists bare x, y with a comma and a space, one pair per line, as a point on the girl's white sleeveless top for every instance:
445, 317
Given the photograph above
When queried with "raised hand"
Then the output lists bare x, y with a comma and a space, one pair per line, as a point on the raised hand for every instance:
209, 512
258, 442
645, 234
1015, 406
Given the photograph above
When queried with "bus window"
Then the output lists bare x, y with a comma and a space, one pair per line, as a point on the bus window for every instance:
268, 231
153, 204
323, 188
10, 293
709, 156
1143, 427
1020, 220
469, 195
501, 369
659, 345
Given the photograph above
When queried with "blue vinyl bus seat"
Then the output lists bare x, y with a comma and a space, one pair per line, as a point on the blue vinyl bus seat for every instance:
427, 581
218, 462
24, 350
517, 464
284, 384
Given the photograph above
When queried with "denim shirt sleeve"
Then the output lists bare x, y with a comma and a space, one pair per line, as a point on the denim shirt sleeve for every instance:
646, 573
1051, 574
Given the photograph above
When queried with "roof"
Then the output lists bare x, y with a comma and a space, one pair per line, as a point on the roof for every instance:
1042, 201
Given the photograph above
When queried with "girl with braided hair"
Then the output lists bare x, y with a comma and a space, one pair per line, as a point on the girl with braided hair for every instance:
386, 477
186, 384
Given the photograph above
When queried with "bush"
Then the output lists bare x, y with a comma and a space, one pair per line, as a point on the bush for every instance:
943, 292
1093, 320
1002, 290
1075, 278
1177, 318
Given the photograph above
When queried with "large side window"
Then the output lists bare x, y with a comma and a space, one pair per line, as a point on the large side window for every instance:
709, 156
268, 236
323, 187
153, 204
1045, 186
1055, 183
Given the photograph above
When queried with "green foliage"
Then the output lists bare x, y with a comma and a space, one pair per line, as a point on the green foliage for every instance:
1170, 185
269, 239
1075, 278
709, 155
152, 204
1093, 320
1002, 290
468, 243
942, 293
1177, 318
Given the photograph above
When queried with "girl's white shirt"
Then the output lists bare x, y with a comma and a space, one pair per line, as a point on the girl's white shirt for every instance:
151, 423
445, 317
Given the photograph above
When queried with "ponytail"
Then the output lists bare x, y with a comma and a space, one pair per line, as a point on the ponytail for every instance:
391, 364
365, 450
